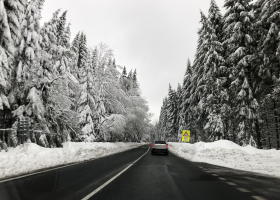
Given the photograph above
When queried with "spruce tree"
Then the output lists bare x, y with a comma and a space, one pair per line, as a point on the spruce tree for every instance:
29, 71
15, 13
61, 28
185, 105
82, 53
163, 121
179, 100
86, 103
172, 114
212, 81
76, 43
6, 51
124, 72
238, 30
196, 99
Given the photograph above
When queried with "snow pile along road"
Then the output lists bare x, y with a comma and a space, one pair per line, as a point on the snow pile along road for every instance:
228, 154
30, 157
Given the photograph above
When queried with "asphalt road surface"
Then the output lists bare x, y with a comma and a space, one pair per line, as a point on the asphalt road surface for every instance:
136, 174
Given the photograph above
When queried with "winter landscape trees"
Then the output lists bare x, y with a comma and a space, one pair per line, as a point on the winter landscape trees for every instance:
69, 90
231, 89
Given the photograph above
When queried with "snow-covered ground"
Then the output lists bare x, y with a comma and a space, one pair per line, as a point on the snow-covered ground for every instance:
228, 154
31, 157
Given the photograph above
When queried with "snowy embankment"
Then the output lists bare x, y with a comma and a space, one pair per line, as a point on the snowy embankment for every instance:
228, 154
30, 157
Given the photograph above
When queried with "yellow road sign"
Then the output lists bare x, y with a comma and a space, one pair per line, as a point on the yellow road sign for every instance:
186, 135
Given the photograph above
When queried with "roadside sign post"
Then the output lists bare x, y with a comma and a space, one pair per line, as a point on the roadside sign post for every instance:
186, 135
23, 128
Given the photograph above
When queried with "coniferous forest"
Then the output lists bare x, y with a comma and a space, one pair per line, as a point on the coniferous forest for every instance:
231, 89
69, 90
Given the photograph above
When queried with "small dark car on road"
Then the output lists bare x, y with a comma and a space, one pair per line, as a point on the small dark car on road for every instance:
159, 147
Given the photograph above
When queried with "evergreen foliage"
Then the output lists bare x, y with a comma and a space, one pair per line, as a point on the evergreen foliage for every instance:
69, 91
234, 75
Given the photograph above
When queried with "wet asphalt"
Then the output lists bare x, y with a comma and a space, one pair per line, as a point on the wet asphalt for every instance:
155, 177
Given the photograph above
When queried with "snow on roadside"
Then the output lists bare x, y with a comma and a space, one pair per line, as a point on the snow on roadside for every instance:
228, 154
30, 157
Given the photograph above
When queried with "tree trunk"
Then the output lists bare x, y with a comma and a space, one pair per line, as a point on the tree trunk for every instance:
259, 143
276, 124
267, 126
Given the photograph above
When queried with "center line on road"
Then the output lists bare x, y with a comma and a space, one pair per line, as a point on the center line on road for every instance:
243, 190
215, 174
274, 190
109, 181
231, 183
223, 179
258, 198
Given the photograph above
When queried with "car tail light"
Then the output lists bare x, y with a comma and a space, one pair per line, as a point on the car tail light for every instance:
153, 145
166, 145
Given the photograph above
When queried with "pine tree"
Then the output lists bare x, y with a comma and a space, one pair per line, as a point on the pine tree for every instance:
212, 81
238, 29
172, 114
82, 53
185, 116
215, 17
61, 28
76, 43
58, 82
196, 99
179, 100
87, 103
163, 121
15, 12
6, 51
124, 72
134, 79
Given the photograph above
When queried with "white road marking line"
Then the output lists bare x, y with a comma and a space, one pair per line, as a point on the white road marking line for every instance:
243, 190
215, 174
274, 190
223, 179
109, 181
10, 179
258, 198
231, 183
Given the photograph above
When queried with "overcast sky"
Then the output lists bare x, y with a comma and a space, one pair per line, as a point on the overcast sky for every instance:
154, 36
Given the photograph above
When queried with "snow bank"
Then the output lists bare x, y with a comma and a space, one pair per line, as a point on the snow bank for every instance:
31, 157
228, 154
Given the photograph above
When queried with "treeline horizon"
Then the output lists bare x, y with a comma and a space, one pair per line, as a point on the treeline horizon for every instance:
70, 91
232, 86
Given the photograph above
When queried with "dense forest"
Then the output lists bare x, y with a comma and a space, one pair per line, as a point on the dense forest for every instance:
69, 90
231, 89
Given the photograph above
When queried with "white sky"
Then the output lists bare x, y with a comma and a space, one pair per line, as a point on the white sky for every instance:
154, 36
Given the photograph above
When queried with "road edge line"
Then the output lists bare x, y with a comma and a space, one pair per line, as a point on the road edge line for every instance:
60, 166
113, 178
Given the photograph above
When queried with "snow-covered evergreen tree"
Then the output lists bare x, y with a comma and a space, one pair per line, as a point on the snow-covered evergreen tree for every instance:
196, 99
185, 109
172, 113
163, 120
6, 51
238, 30
29, 71
82, 53
180, 119
213, 80
86, 103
